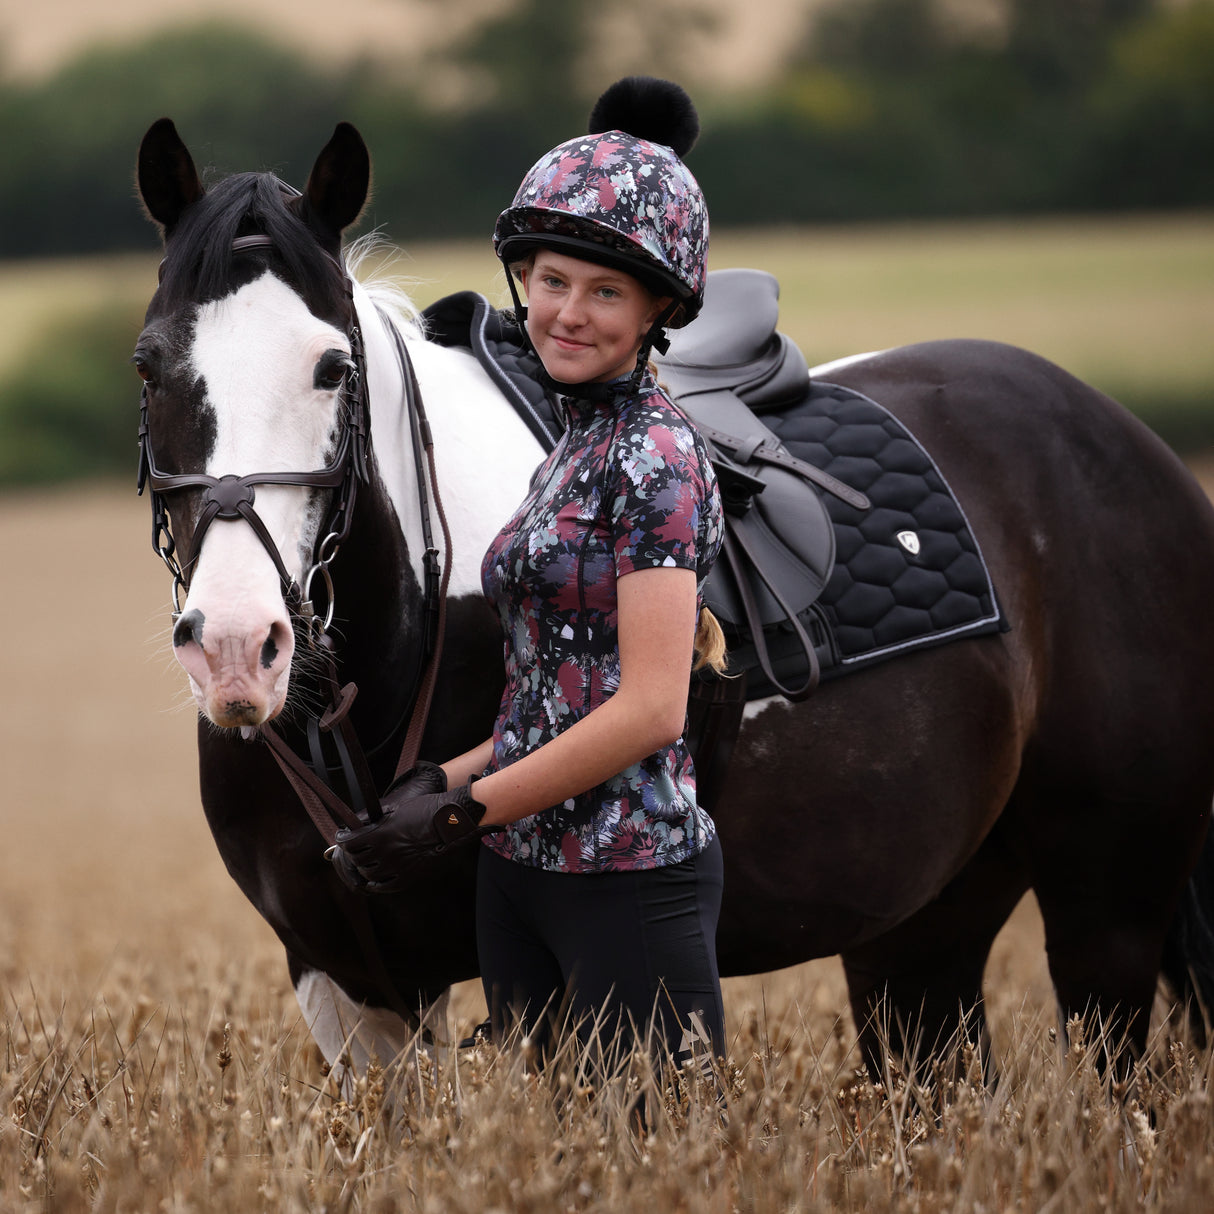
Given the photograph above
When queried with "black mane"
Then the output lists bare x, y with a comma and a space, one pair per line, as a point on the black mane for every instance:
199, 262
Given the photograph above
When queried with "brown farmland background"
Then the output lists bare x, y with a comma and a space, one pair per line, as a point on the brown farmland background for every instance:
744, 42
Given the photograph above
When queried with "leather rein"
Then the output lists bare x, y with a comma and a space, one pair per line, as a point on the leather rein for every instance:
232, 498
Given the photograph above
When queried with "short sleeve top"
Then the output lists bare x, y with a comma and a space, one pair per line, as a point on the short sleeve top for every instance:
628, 487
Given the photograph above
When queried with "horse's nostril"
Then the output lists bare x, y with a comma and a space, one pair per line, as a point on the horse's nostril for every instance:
188, 628
269, 651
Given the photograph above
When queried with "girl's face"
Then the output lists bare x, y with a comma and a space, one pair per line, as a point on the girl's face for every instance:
586, 321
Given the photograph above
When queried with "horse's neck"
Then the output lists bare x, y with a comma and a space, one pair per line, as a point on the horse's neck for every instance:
483, 452
484, 455
391, 435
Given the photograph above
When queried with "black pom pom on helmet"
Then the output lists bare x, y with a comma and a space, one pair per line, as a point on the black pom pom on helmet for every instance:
648, 108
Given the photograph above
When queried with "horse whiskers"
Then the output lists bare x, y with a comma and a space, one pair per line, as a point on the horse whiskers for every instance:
160, 651
305, 693
183, 702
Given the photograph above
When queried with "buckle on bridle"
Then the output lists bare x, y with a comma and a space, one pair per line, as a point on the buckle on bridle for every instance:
313, 625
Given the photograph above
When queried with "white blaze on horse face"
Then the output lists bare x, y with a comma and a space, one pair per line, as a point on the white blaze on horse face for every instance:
256, 353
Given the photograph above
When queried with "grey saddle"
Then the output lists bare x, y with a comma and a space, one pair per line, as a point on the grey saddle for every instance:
724, 369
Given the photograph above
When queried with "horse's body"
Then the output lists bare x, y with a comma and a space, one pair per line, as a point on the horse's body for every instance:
896, 817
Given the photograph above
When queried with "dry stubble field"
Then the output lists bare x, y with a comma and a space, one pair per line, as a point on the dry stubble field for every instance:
153, 1057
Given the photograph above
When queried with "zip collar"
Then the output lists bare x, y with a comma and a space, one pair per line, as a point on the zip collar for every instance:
608, 400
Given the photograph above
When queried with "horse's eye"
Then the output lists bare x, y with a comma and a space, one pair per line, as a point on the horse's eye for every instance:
331, 370
143, 370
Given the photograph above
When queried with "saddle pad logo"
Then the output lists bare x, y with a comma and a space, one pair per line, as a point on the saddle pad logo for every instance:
909, 540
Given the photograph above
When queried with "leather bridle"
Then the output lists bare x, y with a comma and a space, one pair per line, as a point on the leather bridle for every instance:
232, 498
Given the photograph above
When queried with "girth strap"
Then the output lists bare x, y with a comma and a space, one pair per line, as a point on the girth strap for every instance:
735, 538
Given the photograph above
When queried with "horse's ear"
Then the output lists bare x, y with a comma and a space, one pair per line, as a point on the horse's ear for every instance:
338, 185
168, 180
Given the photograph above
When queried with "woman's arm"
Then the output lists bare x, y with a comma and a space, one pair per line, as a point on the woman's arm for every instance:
656, 624
471, 763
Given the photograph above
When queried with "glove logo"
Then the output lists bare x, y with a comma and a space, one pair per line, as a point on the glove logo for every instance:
452, 819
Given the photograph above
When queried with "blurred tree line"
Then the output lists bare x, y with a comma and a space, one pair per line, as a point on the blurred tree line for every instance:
891, 108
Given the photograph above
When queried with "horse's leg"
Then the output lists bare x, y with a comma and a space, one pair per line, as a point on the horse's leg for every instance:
1121, 797
917, 984
352, 1035
1107, 895
1104, 961
1188, 956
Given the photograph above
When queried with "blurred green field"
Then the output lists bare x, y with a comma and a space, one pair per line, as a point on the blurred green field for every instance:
37, 297
1126, 303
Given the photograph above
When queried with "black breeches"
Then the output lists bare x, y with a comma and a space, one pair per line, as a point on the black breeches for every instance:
603, 953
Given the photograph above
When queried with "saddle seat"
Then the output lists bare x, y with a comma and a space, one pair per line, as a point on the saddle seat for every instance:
734, 344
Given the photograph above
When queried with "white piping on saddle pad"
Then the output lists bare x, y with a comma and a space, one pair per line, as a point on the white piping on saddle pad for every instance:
823, 370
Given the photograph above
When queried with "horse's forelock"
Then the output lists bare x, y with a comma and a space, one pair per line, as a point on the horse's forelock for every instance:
200, 264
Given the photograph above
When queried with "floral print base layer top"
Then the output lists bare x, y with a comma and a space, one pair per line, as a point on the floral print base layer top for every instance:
628, 487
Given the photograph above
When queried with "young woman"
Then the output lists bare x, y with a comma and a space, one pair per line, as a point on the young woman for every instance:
599, 878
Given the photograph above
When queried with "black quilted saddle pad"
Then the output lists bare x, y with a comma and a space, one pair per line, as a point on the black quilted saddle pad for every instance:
908, 572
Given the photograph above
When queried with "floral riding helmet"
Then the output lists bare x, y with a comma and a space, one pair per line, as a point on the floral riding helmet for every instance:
623, 199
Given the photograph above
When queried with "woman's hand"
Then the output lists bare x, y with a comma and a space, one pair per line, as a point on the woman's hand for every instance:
422, 820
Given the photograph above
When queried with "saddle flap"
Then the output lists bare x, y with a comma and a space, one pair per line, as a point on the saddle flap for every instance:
787, 542
781, 524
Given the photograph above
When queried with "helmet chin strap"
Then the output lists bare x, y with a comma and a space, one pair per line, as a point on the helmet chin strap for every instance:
655, 339
595, 391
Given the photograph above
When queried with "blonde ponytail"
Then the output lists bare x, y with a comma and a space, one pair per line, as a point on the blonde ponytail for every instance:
709, 644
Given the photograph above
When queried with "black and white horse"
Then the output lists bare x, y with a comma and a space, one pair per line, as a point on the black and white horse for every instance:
896, 817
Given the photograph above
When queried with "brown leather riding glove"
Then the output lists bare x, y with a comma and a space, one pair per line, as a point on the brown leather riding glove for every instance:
419, 825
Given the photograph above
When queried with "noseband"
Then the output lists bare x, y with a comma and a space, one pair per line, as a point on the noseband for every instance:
231, 497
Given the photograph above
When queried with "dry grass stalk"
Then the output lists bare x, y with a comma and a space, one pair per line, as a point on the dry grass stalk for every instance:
112, 1103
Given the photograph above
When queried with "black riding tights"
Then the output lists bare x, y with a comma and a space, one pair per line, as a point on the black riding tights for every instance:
603, 952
